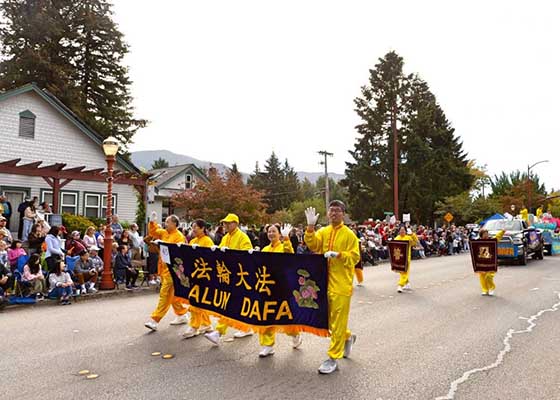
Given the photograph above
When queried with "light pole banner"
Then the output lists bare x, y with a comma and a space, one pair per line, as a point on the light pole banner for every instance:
253, 291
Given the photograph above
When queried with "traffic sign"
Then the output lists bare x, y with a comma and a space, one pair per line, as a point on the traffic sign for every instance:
448, 217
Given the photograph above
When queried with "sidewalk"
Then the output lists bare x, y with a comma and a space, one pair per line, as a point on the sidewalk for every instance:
101, 294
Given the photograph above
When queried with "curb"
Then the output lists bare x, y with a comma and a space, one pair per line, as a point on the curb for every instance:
101, 294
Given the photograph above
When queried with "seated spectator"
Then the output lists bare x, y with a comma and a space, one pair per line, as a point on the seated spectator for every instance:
86, 273
6, 281
61, 283
74, 245
53, 248
89, 238
95, 259
36, 239
16, 250
33, 275
5, 232
124, 268
100, 235
4, 255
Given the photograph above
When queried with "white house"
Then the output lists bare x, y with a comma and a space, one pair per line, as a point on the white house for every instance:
56, 148
165, 182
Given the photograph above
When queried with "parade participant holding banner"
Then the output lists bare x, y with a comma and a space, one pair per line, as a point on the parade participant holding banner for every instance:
404, 283
340, 246
200, 321
234, 239
166, 294
487, 284
268, 338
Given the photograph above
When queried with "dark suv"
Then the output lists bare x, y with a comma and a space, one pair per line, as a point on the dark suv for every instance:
519, 240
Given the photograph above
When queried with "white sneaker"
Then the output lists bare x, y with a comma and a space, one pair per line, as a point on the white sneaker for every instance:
399, 289
328, 366
297, 341
151, 324
204, 329
490, 293
152, 283
180, 320
266, 351
214, 337
407, 287
241, 334
190, 332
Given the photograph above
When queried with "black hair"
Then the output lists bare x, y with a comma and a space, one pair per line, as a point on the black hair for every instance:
34, 263
277, 226
14, 243
201, 224
81, 253
57, 267
338, 203
54, 230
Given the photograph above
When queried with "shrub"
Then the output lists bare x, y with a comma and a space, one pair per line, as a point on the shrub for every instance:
76, 223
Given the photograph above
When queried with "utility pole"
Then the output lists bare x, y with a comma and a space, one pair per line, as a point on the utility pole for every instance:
395, 161
326, 154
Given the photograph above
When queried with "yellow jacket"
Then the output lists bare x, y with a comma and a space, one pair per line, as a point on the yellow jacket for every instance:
203, 241
341, 269
500, 235
157, 232
281, 247
237, 240
412, 242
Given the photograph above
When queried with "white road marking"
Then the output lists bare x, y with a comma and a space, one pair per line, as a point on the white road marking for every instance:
531, 321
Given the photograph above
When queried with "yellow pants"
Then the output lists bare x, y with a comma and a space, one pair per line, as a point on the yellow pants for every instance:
268, 338
359, 274
221, 327
199, 317
167, 299
339, 309
487, 281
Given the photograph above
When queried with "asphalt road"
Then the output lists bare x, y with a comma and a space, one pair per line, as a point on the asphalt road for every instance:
442, 340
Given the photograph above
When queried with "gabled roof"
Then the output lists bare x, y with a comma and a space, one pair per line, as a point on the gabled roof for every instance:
69, 115
162, 176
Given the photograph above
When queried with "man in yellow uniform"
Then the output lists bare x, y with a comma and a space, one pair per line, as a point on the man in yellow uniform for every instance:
340, 246
166, 293
404, 284
234, 239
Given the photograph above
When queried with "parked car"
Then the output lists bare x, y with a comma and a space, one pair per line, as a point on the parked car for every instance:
519, 241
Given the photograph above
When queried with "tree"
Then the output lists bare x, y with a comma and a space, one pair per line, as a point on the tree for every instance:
336, 191
297, 210
279, 183
432, 164
75, 51
219, 196
160, 163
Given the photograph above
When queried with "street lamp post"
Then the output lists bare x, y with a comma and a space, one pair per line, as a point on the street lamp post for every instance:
110, 148
529, 182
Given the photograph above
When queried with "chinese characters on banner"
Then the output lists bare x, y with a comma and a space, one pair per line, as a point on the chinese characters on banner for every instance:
256, 290
484, 255
398, 251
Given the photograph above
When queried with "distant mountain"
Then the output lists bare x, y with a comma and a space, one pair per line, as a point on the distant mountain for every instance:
145, 159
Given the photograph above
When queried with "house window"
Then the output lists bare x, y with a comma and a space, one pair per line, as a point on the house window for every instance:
69, 203
188, 181
92, 205
47, 195
27, 124
104, 205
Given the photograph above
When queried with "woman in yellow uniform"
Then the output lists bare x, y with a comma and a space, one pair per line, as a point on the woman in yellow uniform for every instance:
267, 339
487, 278
404, 284
166, 293
200, 321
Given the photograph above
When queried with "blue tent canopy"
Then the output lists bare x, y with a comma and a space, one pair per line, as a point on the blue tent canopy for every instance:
495, 216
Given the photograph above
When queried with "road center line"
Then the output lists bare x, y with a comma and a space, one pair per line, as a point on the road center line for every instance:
531, 321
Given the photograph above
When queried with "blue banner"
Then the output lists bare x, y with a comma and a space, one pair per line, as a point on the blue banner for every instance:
253, 291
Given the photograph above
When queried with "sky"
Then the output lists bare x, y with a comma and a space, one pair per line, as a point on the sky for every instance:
232, 81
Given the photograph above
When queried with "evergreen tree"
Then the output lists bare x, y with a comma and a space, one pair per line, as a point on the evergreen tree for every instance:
160, 163
432, 164
75, 51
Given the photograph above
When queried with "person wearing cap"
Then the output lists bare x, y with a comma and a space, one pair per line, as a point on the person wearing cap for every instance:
234, 239
340, 247
404, 235
166, 294
200, 321
96, 261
